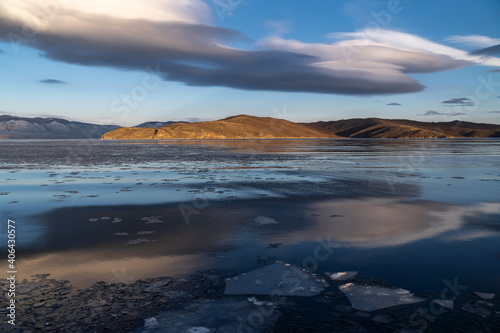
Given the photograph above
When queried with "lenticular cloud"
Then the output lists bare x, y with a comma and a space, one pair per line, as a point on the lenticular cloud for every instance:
181, 39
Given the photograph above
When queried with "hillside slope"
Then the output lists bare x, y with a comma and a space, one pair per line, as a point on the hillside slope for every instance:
385, 128
12, 127
250, 127
235, 127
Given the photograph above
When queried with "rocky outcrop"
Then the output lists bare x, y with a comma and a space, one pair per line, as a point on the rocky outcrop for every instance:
389, 128
236, 127
12, 127
250, 127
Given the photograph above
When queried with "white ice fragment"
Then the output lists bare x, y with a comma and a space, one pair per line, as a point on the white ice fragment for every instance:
254, 301
120, 233
152, 219
258, 282
275, 278
93, 219
139, 241
150, 323
341, 276
263, 220
486, 303
484, 295
116, 220
476, 309
371, 298
444, 303
105, 218
198, 330
145, 232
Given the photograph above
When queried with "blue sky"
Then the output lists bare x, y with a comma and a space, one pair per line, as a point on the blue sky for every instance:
126, 62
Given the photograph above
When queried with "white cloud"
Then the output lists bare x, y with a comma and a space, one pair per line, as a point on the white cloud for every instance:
46, 16
405, 41
476, 41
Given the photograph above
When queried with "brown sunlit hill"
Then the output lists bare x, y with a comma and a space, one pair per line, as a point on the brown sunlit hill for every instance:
250, 127
385, 128
235, 127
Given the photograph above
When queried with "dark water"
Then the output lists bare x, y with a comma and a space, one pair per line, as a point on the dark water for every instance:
411, 212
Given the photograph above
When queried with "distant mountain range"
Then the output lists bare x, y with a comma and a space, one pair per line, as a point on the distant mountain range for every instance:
12, 127
242, 127
158, 124
250, 127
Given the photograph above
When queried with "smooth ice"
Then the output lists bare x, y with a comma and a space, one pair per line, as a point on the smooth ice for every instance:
275, 279
371, 298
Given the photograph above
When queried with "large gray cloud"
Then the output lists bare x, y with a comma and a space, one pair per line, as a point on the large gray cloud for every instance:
187, 49
491, 51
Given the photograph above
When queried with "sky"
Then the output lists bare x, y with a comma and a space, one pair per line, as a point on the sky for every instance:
125, 62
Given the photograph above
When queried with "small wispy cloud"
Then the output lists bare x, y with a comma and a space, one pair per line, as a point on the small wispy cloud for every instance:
493, 111
393, 104
52, 81
496, 70
473, 40
447, 114
462, 101
433, 113
278, 28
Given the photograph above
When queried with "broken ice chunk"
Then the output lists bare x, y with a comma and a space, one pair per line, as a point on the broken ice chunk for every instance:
139, 241
476, 309
484, 295
93, 219
120, 233
254, 301
276, 279
444, 303
371, 298
198, 330
116, 220
341, 276
150, 323
152, 219
145, 232
263, 220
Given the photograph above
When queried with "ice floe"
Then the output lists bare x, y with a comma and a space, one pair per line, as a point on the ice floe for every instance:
145, 232
484, 295
371, 298
198, 330
341, 276
444, 303
150, 323
276, 279
139, 241
476, 309
221, 315
152, 219
263, 220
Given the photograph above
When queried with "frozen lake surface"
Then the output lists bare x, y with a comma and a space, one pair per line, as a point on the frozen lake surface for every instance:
414, 213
